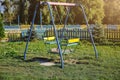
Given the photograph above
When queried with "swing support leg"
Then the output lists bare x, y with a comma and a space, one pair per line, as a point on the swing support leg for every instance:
91, 36
55, 31
56, 35
31, 27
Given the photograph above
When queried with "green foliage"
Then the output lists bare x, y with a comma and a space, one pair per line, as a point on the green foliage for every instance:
26, 11
2, 34
60, 13
9, 12
112, 12
33, 35
96, 11
45, 16
98, 33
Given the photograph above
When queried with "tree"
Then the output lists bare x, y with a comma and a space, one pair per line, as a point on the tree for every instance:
2, 34
94, 10
112, 12
9, 11
26, 9
98, 33
60, 13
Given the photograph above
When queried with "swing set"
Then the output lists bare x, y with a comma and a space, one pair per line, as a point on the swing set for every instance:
49, 40
55, 39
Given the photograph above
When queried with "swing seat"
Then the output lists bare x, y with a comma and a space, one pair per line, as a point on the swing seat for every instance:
71, 42
50, 40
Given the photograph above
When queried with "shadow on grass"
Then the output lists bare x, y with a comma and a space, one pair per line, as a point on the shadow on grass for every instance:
40, 59
44, 61
19, 57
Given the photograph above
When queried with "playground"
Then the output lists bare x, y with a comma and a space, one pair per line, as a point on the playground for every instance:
63, 50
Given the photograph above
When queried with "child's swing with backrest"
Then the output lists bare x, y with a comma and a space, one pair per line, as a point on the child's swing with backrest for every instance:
50, 40
49, 4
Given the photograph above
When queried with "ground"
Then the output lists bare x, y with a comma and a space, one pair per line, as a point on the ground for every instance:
80, 65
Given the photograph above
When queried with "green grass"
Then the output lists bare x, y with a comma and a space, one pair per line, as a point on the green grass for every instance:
80, 65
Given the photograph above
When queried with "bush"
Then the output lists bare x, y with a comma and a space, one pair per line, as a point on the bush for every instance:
2, 34
33, 35
98, 34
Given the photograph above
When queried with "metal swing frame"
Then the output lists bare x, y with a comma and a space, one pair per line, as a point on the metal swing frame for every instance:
49, 4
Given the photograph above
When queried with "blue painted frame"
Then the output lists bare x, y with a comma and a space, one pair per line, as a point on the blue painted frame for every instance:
55, 31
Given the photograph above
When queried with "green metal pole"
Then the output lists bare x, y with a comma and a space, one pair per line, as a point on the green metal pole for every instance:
91, 36
31, 27
56, 35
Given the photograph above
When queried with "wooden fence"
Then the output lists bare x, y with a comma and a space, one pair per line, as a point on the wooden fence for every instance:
13, 35
111, 35
70, 33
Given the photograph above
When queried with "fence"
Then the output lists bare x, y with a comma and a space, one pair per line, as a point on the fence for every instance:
13, 35
111, 34
70, 33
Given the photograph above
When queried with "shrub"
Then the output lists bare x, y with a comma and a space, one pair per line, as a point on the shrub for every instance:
33, 35
2, 34
98, 34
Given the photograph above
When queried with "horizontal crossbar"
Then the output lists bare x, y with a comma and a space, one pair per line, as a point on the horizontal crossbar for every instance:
58, 3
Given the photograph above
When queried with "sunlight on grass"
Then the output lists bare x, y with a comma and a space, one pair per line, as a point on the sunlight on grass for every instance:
80, 65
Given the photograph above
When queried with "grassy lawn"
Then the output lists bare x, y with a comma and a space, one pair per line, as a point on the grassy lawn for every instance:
80, 65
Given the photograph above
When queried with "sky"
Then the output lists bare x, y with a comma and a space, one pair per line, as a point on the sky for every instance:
2, 8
